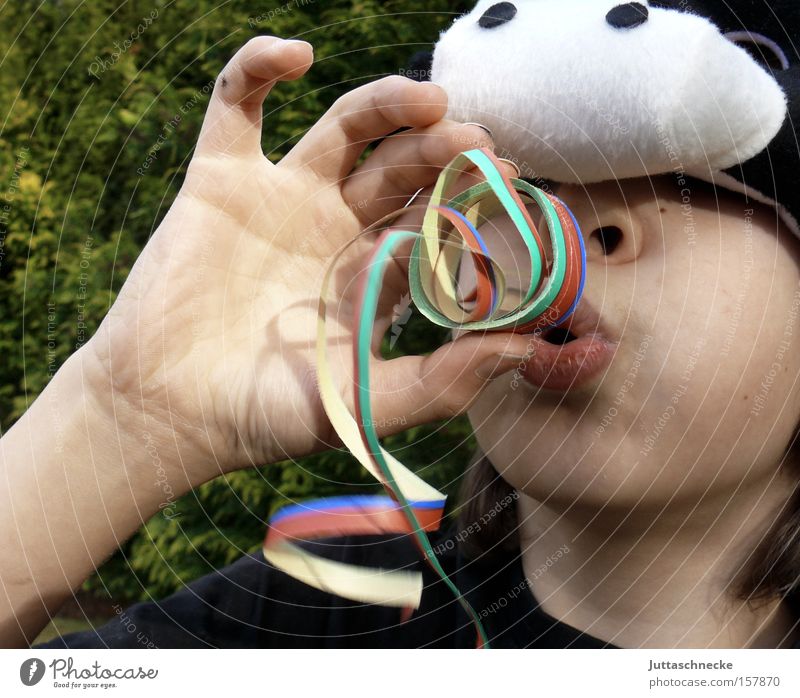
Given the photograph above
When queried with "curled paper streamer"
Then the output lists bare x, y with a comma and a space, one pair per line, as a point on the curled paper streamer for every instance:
449, 231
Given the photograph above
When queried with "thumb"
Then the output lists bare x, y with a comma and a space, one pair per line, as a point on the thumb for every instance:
415, 390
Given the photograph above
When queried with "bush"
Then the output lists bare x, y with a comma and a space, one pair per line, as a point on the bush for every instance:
102, 103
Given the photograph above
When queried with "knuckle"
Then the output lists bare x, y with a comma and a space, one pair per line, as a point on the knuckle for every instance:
451, 406
437, 146
468, 136
373, 89
252, 49
447, 403
391, 82
394, 81
399, 177
259, 43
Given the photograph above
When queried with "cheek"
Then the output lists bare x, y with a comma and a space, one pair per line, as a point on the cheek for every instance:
753, 325
754, 350
721, 397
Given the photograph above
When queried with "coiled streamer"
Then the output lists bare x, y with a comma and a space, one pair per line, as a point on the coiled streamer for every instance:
449, 231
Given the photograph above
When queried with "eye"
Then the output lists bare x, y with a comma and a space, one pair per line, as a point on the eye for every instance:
498, 14
763, 49
609, 238
627, 16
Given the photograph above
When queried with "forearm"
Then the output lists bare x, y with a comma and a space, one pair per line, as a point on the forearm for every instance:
79, 473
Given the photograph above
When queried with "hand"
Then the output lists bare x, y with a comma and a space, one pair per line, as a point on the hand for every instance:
212, 338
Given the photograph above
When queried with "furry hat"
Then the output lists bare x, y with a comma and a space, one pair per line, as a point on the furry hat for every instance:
591, 90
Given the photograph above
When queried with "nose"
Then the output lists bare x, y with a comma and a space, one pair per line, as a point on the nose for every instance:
627, 16
612, 225
497, 15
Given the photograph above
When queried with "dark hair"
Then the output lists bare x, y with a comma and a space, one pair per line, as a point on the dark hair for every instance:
774, 566
482, 491
771, 571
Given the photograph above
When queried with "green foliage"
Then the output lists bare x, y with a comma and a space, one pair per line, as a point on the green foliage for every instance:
94, 143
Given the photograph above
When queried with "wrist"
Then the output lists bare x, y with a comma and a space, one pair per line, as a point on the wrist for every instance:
153, 446
81, 473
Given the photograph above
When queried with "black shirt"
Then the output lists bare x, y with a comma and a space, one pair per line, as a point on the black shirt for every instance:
252, 604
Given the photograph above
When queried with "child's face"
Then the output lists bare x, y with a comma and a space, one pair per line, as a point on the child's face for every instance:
702, 297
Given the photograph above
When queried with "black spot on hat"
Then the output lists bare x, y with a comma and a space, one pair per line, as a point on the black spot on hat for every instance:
498, 14
627, 16
679, 5
419, 66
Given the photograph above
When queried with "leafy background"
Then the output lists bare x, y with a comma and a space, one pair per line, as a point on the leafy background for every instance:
74, 214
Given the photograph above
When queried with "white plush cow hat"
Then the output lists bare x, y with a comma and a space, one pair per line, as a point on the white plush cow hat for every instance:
591, 90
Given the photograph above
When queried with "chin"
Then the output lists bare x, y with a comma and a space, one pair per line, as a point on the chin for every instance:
566, 464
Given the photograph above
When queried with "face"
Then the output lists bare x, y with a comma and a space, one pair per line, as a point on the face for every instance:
698, 295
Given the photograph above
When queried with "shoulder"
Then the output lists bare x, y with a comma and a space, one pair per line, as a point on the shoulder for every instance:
253, 604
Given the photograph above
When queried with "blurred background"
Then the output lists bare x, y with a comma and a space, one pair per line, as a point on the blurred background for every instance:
101, 103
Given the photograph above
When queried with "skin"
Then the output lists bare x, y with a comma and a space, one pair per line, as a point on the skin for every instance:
205, 363
660, 516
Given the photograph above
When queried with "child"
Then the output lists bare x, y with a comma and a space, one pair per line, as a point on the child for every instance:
632, 524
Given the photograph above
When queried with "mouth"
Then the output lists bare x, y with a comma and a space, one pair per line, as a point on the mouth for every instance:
570, 356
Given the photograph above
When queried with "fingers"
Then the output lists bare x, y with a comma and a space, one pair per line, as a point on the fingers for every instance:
421, 196
412, 219
416, 390
405, 163
333, 145
232, 125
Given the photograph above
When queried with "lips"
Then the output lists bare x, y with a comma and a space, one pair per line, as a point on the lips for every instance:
572, 355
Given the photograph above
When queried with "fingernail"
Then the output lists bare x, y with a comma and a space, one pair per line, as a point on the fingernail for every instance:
513, 164
499, 364
485, 128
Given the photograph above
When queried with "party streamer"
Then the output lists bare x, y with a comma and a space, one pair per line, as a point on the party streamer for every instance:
449, 234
